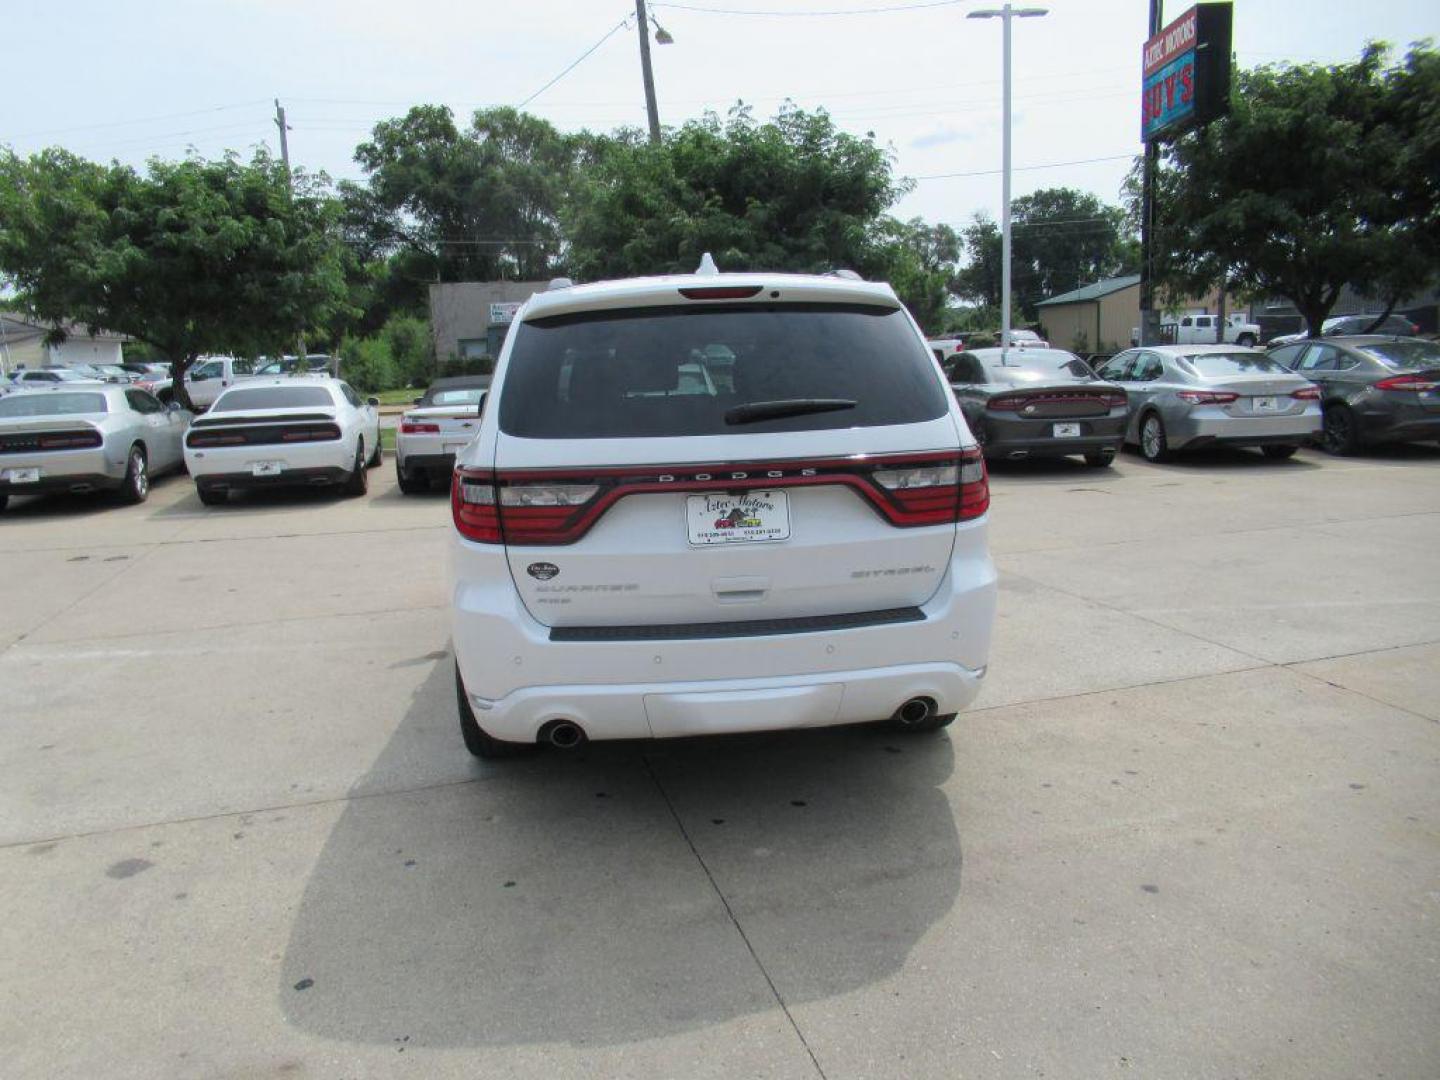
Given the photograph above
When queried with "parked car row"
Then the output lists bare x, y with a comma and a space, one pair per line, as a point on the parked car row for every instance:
83, 437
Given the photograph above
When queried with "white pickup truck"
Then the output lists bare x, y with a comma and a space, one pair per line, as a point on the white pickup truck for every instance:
210, 376
1197, 329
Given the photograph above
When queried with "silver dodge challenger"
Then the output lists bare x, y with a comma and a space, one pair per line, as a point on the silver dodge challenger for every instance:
91, 437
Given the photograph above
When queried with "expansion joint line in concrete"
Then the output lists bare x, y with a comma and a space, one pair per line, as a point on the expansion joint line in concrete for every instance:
735, 922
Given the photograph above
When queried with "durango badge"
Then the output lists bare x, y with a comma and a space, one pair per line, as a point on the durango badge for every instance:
542, 571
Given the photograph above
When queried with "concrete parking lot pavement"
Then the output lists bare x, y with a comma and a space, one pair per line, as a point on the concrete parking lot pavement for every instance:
1191, 828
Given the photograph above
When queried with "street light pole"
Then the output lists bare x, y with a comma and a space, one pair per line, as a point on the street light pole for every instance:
1005, 14
643, 25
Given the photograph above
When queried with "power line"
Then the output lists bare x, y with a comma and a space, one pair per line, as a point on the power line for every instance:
576, 63
1026, 168
812, 14
139, 120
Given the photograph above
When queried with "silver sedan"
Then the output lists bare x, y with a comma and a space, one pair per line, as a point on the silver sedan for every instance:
87, 437
1186, 396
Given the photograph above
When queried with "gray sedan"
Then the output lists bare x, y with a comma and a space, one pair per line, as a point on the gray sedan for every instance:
87, 437
1375, 389
1187, 396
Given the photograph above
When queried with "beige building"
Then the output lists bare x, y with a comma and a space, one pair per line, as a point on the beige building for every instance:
1098, 318
27, 344
469, 319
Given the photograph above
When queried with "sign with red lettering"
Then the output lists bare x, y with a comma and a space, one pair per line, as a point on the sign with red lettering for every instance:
1185, 72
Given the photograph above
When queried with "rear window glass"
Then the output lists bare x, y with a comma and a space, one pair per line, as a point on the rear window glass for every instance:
469, 395
1219, 365
1034, 366
52, 404
273, 397
655, 372
1404, 354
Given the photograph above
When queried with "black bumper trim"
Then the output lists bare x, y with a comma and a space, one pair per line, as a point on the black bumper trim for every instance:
79, 483
808, 624
429, 462
288, 478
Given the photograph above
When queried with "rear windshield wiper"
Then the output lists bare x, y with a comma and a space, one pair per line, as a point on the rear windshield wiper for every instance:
753, 411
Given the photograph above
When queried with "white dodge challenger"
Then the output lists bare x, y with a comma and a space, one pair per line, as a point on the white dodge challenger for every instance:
299, 431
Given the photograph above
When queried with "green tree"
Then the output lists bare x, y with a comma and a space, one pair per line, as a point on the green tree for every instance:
918, 260
790, 194
1061, 239
1321, 176
474, 205
190, 257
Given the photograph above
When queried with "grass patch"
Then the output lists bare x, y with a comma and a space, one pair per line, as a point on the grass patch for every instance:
387, 439
398, 397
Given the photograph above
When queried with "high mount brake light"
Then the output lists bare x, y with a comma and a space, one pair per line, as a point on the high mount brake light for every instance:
721, 292
1413, 383
559, 506
1307, 393
1207, 397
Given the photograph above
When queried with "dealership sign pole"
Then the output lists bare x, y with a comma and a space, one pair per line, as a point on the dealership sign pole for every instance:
1185, 83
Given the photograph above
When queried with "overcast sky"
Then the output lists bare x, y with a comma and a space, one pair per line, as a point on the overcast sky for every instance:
129, 79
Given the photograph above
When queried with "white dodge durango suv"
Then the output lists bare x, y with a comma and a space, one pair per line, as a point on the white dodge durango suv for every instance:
716, 503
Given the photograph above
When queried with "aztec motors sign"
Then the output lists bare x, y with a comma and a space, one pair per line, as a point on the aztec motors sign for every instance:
1186, 72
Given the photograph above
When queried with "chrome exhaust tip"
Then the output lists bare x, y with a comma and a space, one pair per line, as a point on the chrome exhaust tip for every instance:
915, 711
563, 734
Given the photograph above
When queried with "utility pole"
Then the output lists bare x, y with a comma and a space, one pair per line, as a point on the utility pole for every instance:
1005, 14
643, 25
1149, 317
290, 187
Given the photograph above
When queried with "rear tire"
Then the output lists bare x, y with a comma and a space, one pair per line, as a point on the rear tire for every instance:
4, 501
410, 483
1153, 445
210, 496
136, 487
1245, 340
359, 482
1279, 453
376, 456
477, 741
1341, 434
1101, 459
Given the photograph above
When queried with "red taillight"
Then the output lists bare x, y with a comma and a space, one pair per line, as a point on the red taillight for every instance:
69, 440
410, 427
199, 438
721, 292
472, 504
1413, 383
1207, 397
1115, 399
1001, 403
559, 506
1307, 393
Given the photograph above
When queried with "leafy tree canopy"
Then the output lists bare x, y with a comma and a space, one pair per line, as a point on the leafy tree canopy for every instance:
1320, 177
190, 257
474, 205
1061, 239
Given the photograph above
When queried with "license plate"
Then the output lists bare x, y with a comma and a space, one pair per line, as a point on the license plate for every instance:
1067, 431
267, 468
1264, 404
453, 447
737, 519
23, 476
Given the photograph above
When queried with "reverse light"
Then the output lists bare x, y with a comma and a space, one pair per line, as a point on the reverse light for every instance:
904, 479
548, 494
1207, 397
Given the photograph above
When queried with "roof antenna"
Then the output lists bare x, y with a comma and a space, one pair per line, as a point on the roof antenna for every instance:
707, 266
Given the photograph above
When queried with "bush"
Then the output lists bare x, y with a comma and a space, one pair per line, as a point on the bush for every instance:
411, 348
368, 364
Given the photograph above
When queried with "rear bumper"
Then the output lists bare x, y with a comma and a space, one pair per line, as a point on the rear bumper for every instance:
64, 470
75, 482
317, 477
1191, 431
431, 463
519, 679
1022, 438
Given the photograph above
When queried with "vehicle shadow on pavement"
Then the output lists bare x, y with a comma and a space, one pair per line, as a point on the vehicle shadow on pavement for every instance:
1234, 457
556, 899
63, 504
